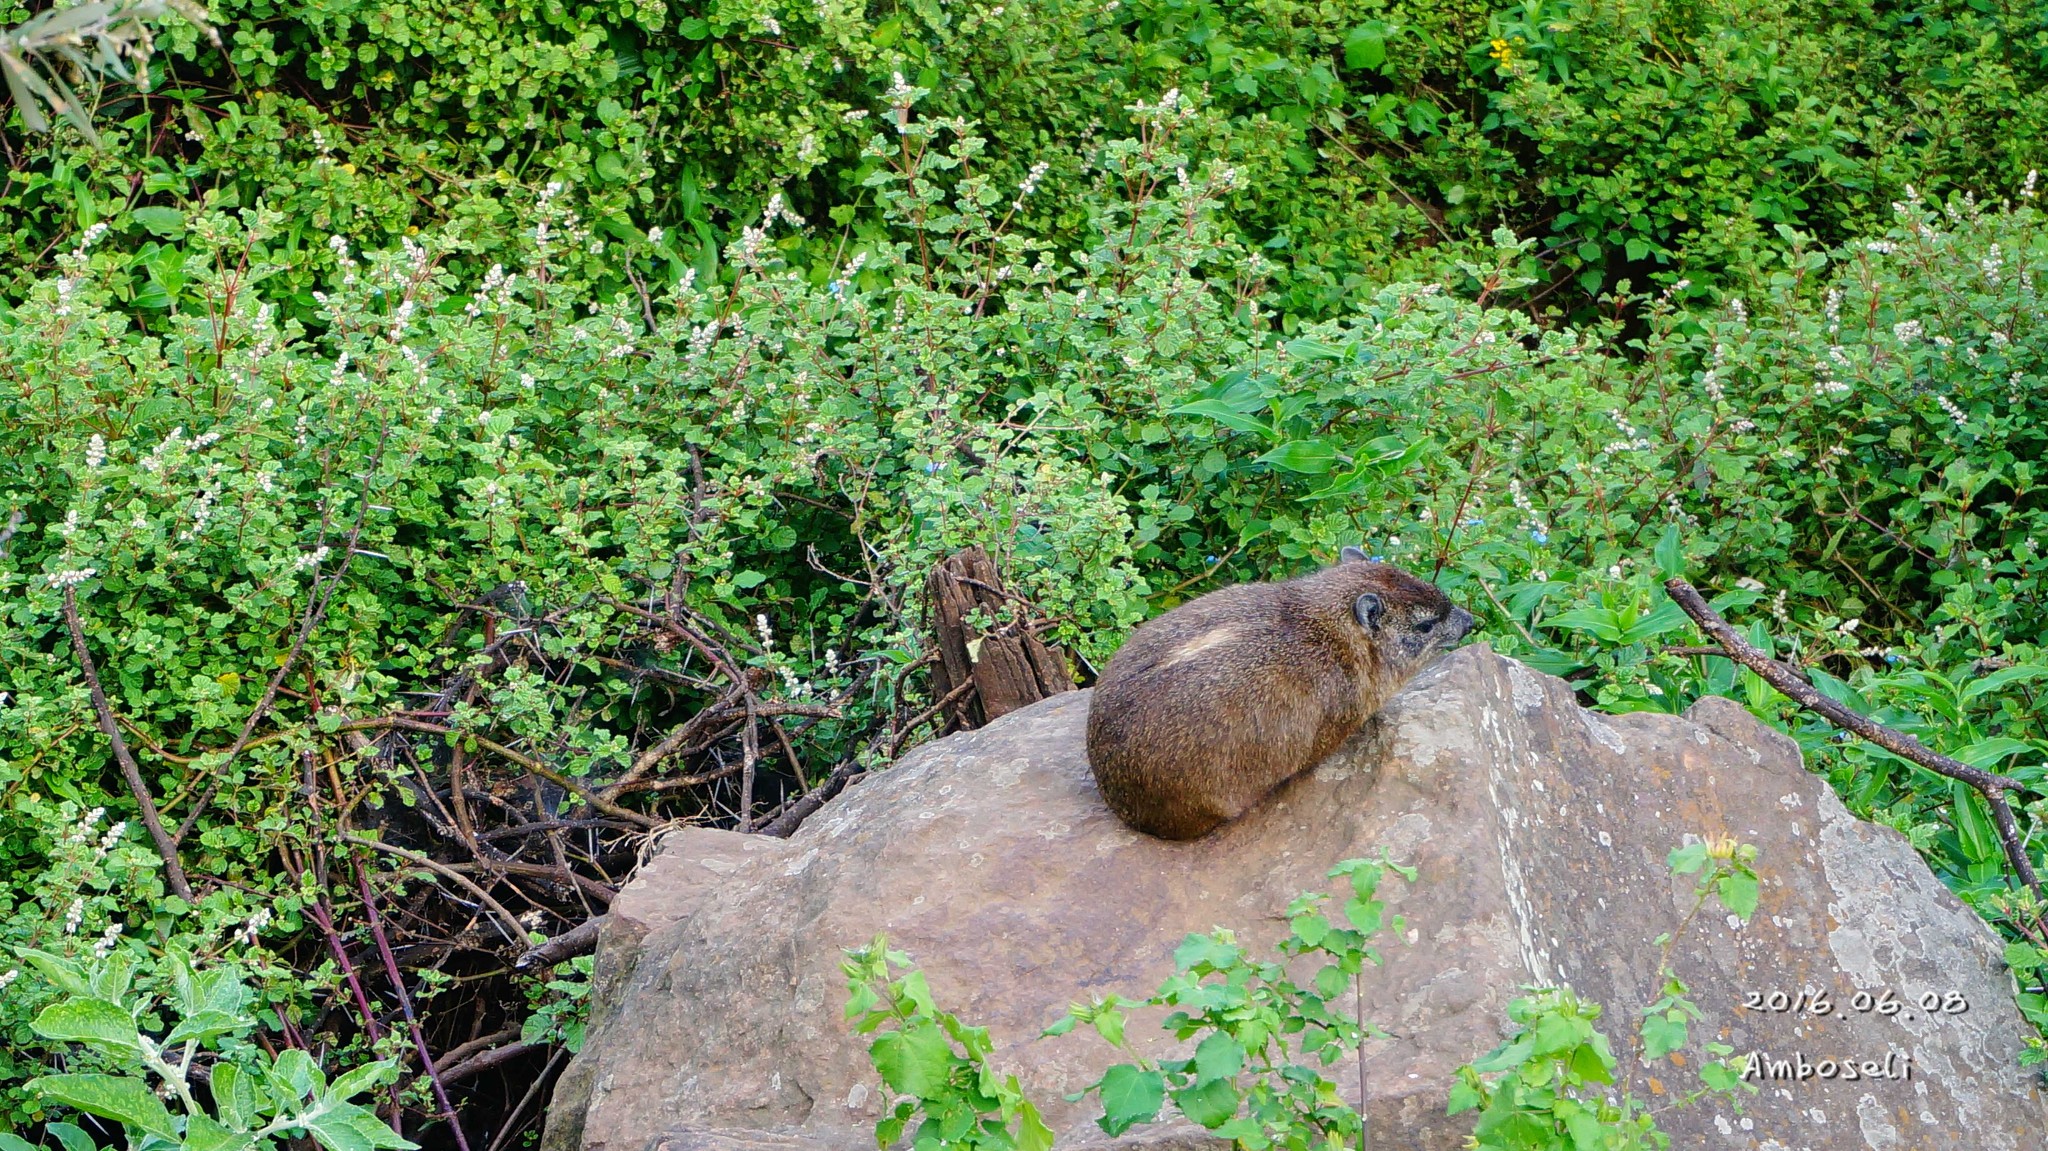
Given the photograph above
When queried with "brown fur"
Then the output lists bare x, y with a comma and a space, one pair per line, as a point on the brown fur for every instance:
1210, 706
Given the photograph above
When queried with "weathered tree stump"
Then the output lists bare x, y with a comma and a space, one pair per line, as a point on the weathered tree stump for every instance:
1007, 664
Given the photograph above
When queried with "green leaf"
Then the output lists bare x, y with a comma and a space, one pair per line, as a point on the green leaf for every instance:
748, 579
296, 1074
203, 1134
71, 1136
1669, 553
1663, 1033
1309, 457
1688, 859
369, 1076
1973, 823
693, 27
1366, 46
96, 1023
1220, 1056
1738, 893
1210, 1103
12, 1142
60, 971
2021, 673
1603, 624
1129, 1097
235, 1096
913, 1061
341, 1126
124, 1100
1987, 752
161, 221
1666, 616
1226, 415
204, 1025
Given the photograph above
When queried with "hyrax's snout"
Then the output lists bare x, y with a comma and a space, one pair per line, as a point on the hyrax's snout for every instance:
1456, 625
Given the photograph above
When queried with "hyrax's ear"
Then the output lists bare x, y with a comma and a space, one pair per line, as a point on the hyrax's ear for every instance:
1351, 555
1368, 609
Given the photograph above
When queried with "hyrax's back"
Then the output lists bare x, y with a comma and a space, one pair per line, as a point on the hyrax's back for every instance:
1210, 706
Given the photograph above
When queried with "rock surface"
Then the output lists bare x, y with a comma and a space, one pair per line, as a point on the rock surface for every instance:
1540, 831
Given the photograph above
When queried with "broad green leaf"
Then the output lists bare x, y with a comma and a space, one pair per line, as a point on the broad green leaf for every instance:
96, 1023
1973, 824
1986, 752
120, 1098
203, 1134
1226, 415
1598, 620
1670, 553
12, 1142
71, 1136
350, 1084
2004, 677
1666, 616
296, 1075
1308, 457
161, 221
1220, 1056
204, 1025
1505, 1056
341, 1126
1210, 1103
60, 971
1663, 1033
235, 1096
1738, 893
1032, 1133
914, 1060
1129, 1097
1687, 859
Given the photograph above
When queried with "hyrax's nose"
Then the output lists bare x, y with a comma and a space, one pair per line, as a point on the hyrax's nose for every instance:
1457, 624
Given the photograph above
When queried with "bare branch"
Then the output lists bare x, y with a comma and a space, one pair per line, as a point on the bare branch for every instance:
1993, 787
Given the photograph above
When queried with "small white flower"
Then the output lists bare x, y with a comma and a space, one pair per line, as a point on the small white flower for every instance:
95, 451
108, 938
71, 578
1906, 331
74, 916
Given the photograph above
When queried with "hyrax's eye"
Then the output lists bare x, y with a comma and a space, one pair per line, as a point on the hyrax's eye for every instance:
1368, 609
1430, 623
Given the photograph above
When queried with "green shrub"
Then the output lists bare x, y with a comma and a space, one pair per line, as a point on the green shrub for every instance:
492, 491
1376, 139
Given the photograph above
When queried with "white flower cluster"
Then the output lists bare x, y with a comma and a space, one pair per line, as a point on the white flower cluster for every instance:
72, 577
1907, 331
246, 934
1632, 440
107, 940
1030, 184
1954, 413
495, 292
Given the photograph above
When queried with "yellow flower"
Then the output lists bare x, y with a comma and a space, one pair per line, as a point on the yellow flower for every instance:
1502, 51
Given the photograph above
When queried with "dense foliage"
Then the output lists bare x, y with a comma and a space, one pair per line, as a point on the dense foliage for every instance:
1371, 136
683, 345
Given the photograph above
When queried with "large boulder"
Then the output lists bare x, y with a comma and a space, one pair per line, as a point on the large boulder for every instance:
1540, 831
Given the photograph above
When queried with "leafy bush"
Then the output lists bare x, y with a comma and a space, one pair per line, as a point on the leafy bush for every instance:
254, 1098
1376, 139
543, 508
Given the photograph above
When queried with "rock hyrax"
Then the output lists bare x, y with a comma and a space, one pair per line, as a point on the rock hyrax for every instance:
1208, 707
